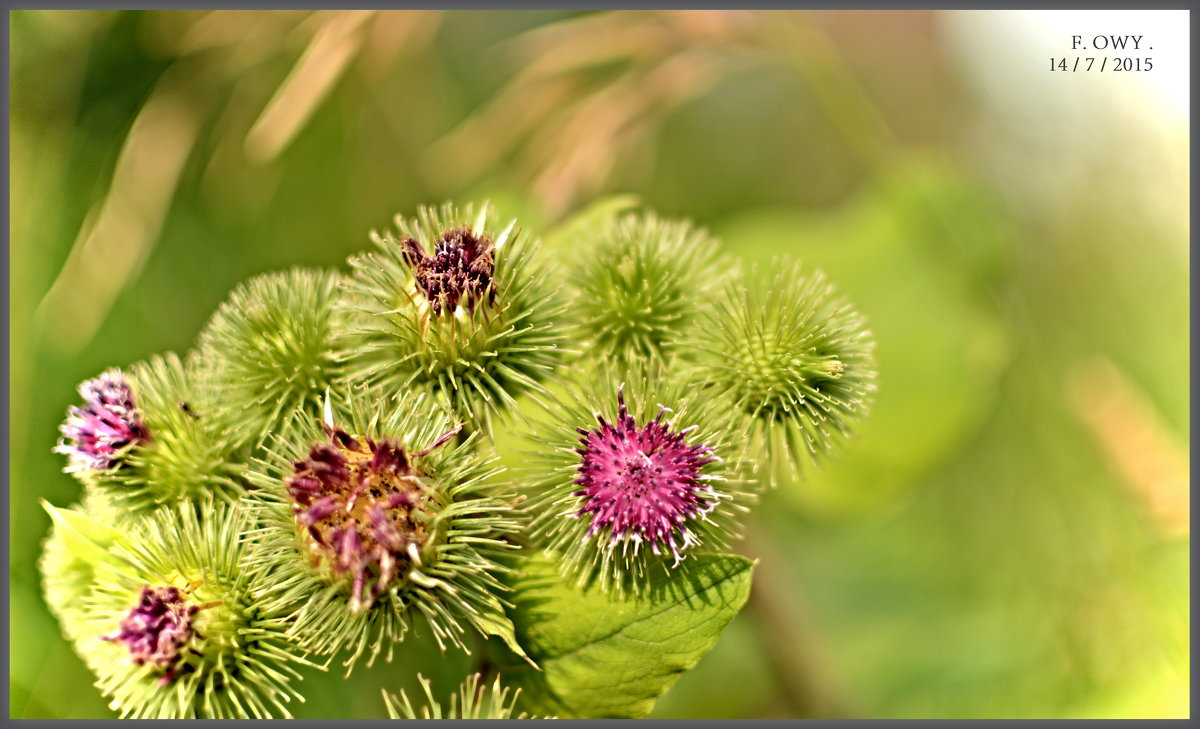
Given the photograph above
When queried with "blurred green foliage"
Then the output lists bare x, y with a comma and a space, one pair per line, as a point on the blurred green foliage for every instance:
1006, 538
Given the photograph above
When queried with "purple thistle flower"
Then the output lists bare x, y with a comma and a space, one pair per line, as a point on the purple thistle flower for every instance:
157, 629
97, 435
363, 507
460, 270
643, 484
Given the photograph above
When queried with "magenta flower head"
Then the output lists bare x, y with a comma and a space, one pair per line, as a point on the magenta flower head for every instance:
643, 485
98, 436
158, 629
634, 478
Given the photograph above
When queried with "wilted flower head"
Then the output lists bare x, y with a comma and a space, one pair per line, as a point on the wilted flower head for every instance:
460, 269
365, 507
619, 487
98, 435
158, 628
379, 515
643, 484
477, 320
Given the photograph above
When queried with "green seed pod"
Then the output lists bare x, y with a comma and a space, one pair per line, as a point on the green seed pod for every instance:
473, 700
639, 284
148, 437
454, 304
173, 630
377, 515
794, 358
628, 478
274, 346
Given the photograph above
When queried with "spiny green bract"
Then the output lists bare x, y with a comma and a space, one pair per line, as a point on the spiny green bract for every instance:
794, 359
480, 352
639, 282
232, 661
338, 564
190, 454
630, 473
81, 537
274, 346
472, 701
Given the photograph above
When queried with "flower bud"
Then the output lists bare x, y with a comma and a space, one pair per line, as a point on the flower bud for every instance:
639, 284
274, 346
795, 361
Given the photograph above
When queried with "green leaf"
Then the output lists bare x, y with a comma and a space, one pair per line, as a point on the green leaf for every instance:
607, 657
496, 623
84, 536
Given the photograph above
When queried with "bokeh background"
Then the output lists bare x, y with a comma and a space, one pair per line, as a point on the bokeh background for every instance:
1009, 535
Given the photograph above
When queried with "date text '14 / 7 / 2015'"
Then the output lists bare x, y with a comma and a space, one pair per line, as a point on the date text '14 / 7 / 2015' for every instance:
1101, 63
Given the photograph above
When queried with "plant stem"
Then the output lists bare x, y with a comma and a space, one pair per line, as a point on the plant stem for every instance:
787, 638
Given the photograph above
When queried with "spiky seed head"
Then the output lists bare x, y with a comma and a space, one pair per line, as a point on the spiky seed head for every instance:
795, 359
274, 346
99, 435
377, 516
172, 629
629, 478
473, 700
454, 303
186, 454
638, 284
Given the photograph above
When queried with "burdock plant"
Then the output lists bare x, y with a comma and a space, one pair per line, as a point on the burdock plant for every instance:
377, 514
640, 283
473, 700
273, 347
454, 303
795, 360
322, 476
149, 437
630, 477
173, 629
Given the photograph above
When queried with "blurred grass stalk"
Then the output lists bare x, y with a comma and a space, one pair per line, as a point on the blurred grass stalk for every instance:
1133, 438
